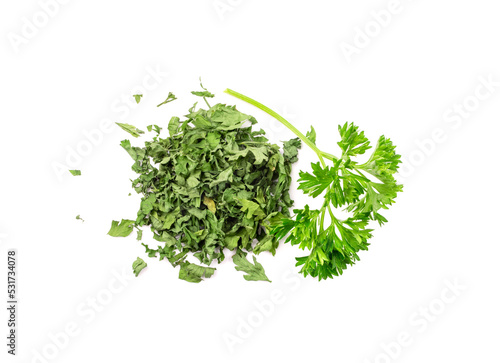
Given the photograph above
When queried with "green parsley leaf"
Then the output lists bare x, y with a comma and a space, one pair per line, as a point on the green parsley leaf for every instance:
132, 130
352, 142
156, 128
173, 126
121, 230
171, 97
311, 135
203, 94
291, 149
194, 273
138, 266
138, 98
79, 218
75, 172
253, 272
210, 204
252, 209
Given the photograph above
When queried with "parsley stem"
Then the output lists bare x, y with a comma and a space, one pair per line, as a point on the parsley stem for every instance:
282, 120
329, 156
205, 99
292, 128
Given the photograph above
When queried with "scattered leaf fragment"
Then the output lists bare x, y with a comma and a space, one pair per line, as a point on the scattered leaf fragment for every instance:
253, 272
171, 97
121, 229
210, 204
132, 130
138, 266
194, 273
138, 98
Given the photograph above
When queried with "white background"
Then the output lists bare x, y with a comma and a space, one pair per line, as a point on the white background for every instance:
61, 78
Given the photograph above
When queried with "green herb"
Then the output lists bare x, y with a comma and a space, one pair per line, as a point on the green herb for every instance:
171, 97
194, 273
132, 130
79, 218
213, 184
138, 266
156, 128
75, 172
138, 98
123, 229
253, 272
205, 93
361, 189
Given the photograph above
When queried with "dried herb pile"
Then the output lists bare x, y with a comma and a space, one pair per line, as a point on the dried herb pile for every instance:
212, 185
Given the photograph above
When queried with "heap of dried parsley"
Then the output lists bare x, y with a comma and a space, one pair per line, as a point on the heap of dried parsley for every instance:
213, 185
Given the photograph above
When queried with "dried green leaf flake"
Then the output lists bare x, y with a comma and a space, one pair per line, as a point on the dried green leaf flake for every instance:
132, 130
194, 273
137, 98
253, 272
171, 97
203, 93
121, 229
138, 266
75, 172
173, 126
210, 204
252, 209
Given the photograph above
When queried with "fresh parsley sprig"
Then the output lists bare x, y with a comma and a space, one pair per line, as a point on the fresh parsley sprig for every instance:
361, 189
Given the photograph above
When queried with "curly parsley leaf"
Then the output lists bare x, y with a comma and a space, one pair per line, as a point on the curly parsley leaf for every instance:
352, 141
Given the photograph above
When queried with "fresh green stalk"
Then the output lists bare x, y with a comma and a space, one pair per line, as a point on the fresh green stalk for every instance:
299, 134
278, 117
